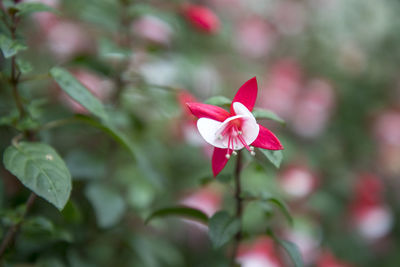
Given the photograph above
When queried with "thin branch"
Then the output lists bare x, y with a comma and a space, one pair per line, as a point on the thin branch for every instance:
239, 206
11, 233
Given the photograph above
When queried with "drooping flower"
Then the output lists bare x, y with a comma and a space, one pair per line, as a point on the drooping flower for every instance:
233, 130
201, 17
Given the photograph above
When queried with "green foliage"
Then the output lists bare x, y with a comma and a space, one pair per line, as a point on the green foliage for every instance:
219, 101
275, 157
27, 8
180, 211
222, 228
78, 92
39, 167
291, 249
10, 47
108, 204
267, 114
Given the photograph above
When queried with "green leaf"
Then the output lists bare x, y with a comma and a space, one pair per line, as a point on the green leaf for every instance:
291, 249
41, 169
219, 101
274, 156
32, 7
78, 92
24, 66
181, 211
282, 206
222, 228
108, 204
260, 113
10, 47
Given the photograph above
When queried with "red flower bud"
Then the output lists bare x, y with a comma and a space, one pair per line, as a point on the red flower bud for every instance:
201, 18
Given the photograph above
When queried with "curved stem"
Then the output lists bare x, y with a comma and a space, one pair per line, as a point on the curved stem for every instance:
10, 235
239, 206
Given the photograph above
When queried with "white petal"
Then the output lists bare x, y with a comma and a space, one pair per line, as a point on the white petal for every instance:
250, 128
241, 109
208, 129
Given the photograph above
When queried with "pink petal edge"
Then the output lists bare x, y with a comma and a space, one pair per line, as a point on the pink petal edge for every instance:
267, 140
201, 110
247, 94
219, 160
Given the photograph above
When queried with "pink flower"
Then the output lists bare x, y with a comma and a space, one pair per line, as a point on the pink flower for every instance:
233, 130
99, 86
254, 37
327, 259
261, 253
370, 215
207, 199
298, 181
314, 109
202, 18
152, 29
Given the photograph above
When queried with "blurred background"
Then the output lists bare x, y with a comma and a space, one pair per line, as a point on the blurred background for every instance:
329, 68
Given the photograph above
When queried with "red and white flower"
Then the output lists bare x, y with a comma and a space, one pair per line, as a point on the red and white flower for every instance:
233, 130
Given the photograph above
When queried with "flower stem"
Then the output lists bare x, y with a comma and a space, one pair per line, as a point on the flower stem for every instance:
10, 235
239, 206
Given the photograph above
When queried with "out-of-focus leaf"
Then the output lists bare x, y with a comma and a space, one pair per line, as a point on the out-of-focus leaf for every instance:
10, 47
108, 204
40, 227
218, 101
282, 206
291, 249
26, 8
71, 212
267, 114
41, 169
180, 211
222, 228
24, 66
78, 92
84, 165
274, 156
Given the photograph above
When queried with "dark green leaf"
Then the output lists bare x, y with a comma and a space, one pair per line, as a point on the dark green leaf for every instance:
222, 228
282, 206
266, 114
78, 92
181, 211
32, 7
10, 47
219, 101
41, 169
108, 204
291, 249
24, 66
274, 156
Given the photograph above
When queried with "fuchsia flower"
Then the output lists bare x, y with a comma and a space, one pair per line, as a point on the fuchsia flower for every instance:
233, 130
201, 17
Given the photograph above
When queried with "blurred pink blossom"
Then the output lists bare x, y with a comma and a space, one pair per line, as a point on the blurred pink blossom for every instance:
327, 259
254, 37
282, 87
314, 108
297, 181
387, 132
207, 199
46, 20
260, 253
152, 29
290, 17
100, 87
202, 18
387, 127
66, 39
370, 215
